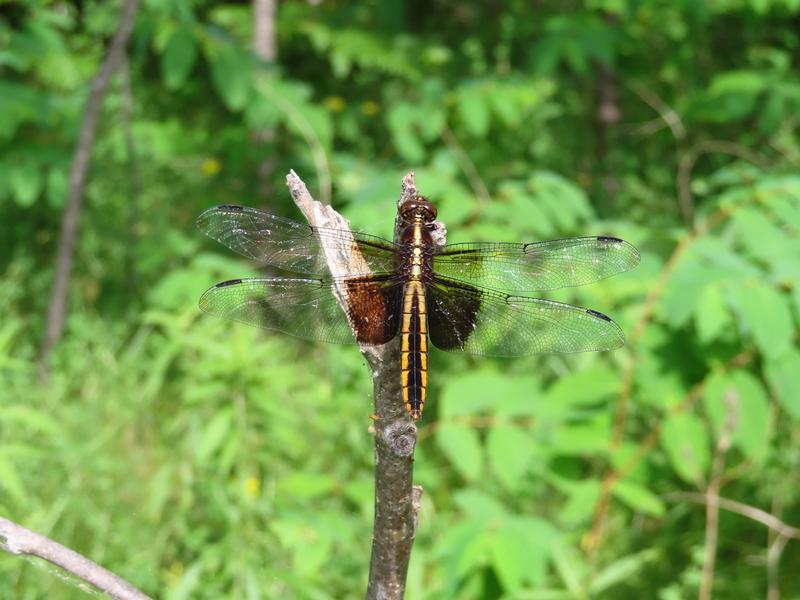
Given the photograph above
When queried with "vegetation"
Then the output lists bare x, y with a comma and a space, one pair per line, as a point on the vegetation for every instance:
204, 459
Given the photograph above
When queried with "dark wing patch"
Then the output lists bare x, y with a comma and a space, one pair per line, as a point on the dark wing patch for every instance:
374, 307
290, 245
308, 308
462, 317
538, 266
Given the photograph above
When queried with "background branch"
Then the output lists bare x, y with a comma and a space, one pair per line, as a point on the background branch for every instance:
77, 182
19, 540
396, 500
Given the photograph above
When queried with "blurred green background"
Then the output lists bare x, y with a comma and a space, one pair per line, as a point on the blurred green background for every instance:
204, 459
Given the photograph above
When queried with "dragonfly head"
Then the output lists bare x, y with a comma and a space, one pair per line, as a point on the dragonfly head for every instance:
418, 207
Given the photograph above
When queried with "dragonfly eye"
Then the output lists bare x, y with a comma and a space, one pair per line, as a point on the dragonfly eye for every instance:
419, 206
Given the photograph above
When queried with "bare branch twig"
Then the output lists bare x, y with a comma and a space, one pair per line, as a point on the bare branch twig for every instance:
396, 500
19, 540
751, 512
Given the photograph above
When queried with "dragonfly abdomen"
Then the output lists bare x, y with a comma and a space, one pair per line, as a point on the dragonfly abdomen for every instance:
414, 349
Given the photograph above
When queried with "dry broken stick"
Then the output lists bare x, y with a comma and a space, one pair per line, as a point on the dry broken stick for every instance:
396, 500
18, 540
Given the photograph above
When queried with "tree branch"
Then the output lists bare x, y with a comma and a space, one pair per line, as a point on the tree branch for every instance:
18, 540
396, 500
77, 182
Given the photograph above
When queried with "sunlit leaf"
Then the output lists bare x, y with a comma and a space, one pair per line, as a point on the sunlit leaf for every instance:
783, 376
639, 498
764, 314
738, 407
231, 74
26, 183
178, 58
473, 110
510, 451
461, 446
685, 440
621, 570
512, 554
711, 315
214, 434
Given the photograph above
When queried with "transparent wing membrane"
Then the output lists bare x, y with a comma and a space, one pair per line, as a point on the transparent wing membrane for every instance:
290, 245
461, 317
308, 308
537, 266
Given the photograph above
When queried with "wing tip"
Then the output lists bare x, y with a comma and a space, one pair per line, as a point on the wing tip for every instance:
597, 314
202, 220
610, 239
222, 284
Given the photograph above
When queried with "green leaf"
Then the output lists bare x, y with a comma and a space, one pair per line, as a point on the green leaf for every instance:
306, 485
178, 58
711, 315
685, 440
26, 416
571, 567
480, 504
461, 446
510, 451
589, 437
511, 553
621, 570
26, 183
682, 293
764, 314
783, 376
736, 402
582, 387
401, 120
231, 74
581, 502
473, 110
214, 434
478, 391
639, 498
10, 480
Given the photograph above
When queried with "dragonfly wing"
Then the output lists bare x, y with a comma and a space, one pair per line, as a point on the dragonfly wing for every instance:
291, 245
481, 321
537, 266
309, 309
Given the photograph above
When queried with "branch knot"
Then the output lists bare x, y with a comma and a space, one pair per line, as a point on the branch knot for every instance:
400, 437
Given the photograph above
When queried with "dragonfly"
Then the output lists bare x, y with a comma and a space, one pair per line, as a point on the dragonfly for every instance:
471, 297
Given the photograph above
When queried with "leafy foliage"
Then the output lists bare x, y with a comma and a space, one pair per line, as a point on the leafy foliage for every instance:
203, 459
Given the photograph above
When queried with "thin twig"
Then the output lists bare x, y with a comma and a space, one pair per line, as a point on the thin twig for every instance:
666, 113
751, 512
77, 183
396, 500
712, 494
19, 540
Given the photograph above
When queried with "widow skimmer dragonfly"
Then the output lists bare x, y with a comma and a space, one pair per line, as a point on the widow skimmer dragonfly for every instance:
468, 297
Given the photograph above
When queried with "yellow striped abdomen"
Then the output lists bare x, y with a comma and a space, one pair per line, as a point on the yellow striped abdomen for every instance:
414, 348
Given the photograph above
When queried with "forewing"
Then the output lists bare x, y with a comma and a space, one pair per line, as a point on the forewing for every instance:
290, 245
462, 317
308, 308
537, 266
